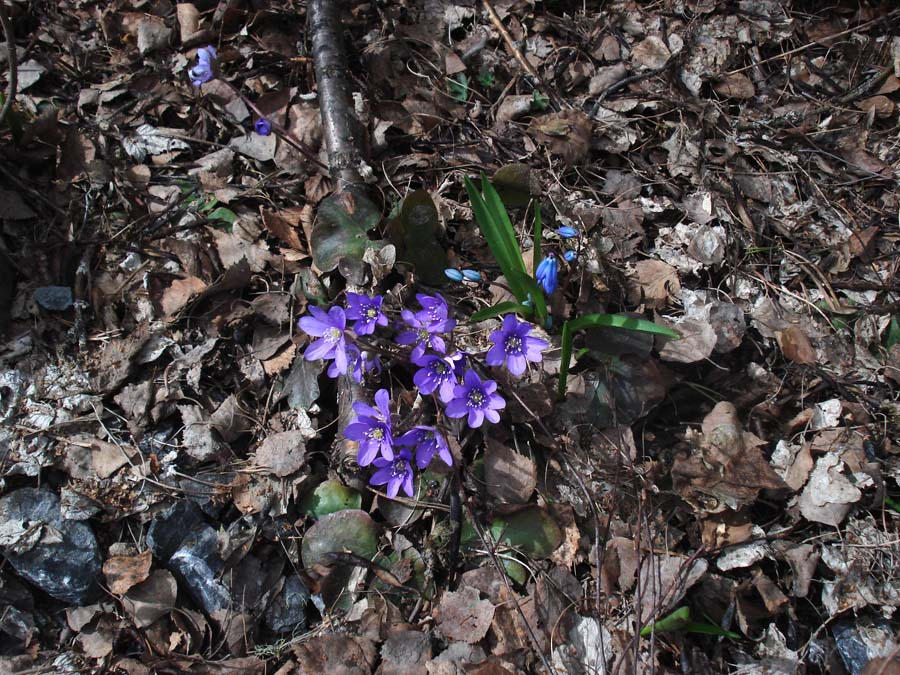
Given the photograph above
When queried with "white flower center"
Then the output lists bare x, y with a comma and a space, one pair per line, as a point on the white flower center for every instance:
475, 398
332, 335
513, 344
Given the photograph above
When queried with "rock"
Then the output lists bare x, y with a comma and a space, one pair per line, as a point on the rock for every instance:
189, 548
58, 556
287, 613
54, 298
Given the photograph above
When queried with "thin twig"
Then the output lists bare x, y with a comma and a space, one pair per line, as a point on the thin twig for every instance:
517, 53
10, 60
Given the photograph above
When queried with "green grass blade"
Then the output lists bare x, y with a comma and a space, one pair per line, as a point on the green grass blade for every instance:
565, 356
538, 234
626, 322
493, 233
501, 308
501, 217
537, 296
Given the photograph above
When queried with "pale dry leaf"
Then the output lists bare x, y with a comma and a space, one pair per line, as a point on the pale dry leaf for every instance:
107, 458
124, 571
567, 133
151, 599
735, 85
280, 362
282, 453
654, 283
698, 339
285, 225
179, 294
650, 52
829, 495
795, 345
510, 477
463, 616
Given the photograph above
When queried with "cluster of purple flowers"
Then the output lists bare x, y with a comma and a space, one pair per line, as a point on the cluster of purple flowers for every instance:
450, 378
335, 344
393, 456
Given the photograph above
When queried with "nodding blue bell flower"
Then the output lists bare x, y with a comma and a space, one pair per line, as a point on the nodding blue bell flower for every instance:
546, 273
566, 232
472, 275
262, 126
204, 71
570, 256
453, 274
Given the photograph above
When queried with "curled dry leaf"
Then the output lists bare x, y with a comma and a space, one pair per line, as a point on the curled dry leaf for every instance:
511, 477
124, 571
567, 133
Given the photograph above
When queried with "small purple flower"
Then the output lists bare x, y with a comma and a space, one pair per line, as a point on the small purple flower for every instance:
514, 346
366, 311
372, 430
203, 72
477, 400
422, 335
361, 362
396, 472
426, 441
437, 373
546, 273
329, 328
434, 312
262, 126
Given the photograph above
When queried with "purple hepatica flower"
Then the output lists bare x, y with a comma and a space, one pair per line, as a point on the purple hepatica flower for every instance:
361, 362
366, 311
203, 72
477, 400
426, 441
422, 335
546, 273
372, 430
396, 473
329, 328
262, 126
434, 312
514, 346
436, 373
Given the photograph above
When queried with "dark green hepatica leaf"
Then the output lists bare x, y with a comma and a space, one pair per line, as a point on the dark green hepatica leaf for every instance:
329, 497
415, 232
350, 530
513, 182
531, 531
341, 225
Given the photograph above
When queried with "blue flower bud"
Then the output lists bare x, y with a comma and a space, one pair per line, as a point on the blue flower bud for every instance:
472, 275
546, 273
453, 274
570, 255
567, 232
263, 127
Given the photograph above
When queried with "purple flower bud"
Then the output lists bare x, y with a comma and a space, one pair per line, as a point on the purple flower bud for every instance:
262, 126
204, 71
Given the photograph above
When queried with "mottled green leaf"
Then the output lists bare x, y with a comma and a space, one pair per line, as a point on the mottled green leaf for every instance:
330, 496
340, 229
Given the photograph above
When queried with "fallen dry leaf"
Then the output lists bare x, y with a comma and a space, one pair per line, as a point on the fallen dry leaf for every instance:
510, 477
567, 133
651, 52
282, 453
654, 283
149, 600
463, 616
795, 345
124, 571
179, 294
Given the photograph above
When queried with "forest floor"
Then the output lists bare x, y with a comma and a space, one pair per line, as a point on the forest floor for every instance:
176, 494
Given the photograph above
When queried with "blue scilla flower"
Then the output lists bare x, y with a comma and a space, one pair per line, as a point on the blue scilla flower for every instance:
547, 272
566, 232
453, 274
570, 256
472, 275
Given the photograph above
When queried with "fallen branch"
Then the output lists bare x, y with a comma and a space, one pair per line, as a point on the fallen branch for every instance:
10, 61
342, 134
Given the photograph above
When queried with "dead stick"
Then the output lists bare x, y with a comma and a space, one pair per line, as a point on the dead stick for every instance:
10, 61
520, 57
343, 137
